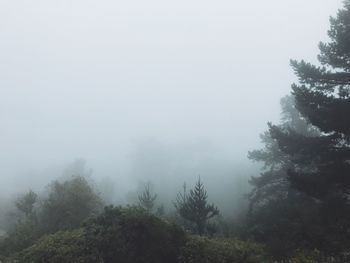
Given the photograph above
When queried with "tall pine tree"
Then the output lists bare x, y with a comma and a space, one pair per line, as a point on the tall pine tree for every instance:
279, 215
320, 165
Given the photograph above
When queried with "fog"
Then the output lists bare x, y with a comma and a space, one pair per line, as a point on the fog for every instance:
144, 91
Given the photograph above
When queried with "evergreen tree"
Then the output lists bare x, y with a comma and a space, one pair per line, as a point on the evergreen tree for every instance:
194, 207
147, 199
320, 165
279, 215
273, 181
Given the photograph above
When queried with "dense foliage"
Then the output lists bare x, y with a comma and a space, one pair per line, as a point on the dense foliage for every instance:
132, 235
280, 216
320, 165
63, 246
204, 250
67, 206
301, 200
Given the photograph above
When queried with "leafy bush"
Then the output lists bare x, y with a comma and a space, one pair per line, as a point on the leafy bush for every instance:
306, 256
315, 256
21, 236
204, 250
63, 246
131, 235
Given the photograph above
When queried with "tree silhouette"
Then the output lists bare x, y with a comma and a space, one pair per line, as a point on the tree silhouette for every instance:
320, 164
147, 199
194, 207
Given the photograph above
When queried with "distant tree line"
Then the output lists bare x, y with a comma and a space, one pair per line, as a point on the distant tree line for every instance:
69, 224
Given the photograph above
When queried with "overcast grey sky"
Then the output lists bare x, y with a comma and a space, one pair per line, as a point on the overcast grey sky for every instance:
91, 79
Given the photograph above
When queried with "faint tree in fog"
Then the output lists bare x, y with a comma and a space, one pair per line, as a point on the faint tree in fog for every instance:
77, 168
69, 204
25, 204
147, 199
25, 229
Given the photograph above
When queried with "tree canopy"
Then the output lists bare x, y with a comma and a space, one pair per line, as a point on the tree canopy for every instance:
320, 165
68, 204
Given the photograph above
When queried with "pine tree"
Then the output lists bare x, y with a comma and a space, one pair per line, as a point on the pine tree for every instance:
274, 204
147, 199
273, 182
194, 207
320, 165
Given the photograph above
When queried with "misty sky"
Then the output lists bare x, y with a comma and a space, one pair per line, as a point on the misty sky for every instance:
96, 79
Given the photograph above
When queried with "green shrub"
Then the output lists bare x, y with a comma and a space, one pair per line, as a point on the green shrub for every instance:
131, 235
315, 256
205, 250
306, 256
63, 246
21, 236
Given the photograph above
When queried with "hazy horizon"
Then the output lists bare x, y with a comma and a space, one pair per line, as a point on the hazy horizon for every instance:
117, 83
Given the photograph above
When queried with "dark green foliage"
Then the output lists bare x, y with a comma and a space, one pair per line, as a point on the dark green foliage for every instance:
68, 205
280, 216
21, 236
131, 235
63, 246
315, 256
203, 250
194, 207
323, 98
319, 165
